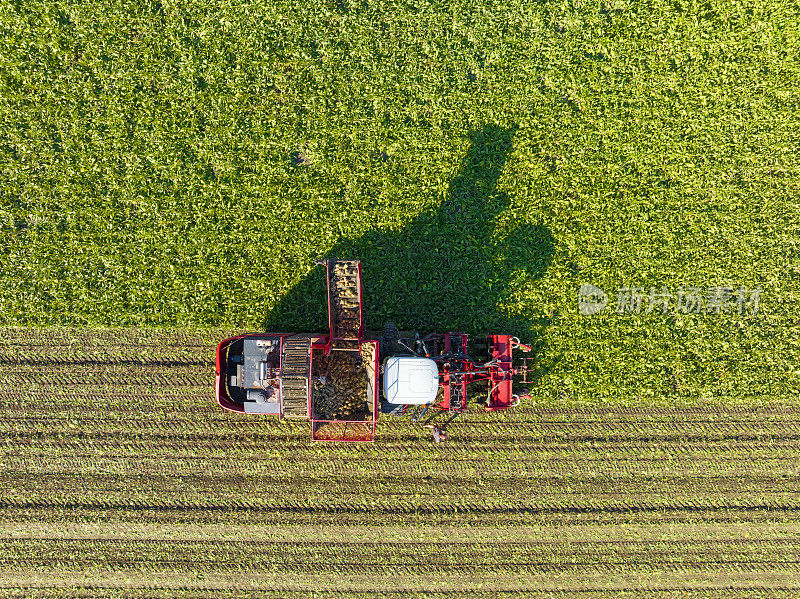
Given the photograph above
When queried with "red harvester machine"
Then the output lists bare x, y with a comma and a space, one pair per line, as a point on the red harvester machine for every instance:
334, 380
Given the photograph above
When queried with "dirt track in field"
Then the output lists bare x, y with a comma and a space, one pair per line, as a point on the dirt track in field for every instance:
120, 472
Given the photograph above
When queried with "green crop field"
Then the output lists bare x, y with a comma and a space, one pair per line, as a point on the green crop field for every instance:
169, 172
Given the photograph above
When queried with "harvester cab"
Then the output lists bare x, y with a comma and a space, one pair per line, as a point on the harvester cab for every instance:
341, 380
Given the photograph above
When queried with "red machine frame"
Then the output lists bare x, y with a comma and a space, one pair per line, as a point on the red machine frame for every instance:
457, 370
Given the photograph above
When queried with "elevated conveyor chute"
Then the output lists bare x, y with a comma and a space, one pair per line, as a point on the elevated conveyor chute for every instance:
345, 317
295, 370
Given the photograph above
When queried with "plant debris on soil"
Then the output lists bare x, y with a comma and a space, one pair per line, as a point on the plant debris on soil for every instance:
340, 386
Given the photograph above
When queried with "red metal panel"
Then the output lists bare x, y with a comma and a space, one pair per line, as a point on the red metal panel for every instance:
464, 381
501, 384
360, 305
376, 387
223, 399
445, 405
328, 293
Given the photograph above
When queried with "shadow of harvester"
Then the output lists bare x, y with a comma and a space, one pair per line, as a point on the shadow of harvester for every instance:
447, 269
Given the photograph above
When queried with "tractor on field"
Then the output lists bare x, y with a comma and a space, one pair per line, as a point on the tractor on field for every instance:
343, 379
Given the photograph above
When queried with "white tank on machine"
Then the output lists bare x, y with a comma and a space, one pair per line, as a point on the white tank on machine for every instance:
410, 380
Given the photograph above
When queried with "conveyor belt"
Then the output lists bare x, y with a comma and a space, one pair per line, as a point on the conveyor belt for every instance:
344, 297
294, 376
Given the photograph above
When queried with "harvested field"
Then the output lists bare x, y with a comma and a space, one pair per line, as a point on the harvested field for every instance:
121, 477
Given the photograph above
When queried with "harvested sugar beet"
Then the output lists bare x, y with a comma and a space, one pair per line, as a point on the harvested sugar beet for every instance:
340, 386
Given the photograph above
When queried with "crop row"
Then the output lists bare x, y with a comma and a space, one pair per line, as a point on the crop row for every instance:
214, 431
384, 558
78, 360
139, 385
193, 407
151, 438
161, 588
28, 452
174, 515
208, 590
353, 566
92, 458
21, 378
540, 460
560, 496
151, 401
595, 479
65, 375
115, 338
